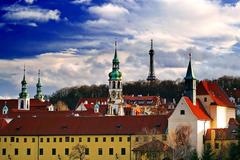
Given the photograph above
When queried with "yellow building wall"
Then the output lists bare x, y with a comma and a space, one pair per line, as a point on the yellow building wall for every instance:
60, 147
221, 143
128, 142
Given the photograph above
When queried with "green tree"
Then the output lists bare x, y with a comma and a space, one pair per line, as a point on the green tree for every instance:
233, 152
208, 154
194, 155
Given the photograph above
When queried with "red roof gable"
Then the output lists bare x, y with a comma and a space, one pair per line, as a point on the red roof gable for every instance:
215, 92
113, 125
197, 110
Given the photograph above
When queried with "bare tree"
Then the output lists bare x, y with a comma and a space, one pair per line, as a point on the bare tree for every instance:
78, 152
61, 106
180, 142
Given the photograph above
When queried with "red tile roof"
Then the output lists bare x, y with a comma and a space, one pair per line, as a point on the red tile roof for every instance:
229, 133
27, 114
198, 110
35, 104
113, 125
3, 123
92, 100
215, 92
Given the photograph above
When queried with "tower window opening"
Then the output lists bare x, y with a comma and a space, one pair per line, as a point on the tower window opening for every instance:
22, 104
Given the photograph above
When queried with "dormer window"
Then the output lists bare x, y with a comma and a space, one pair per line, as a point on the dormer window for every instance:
182, 112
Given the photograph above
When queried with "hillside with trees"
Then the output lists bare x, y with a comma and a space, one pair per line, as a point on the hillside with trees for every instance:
168, 89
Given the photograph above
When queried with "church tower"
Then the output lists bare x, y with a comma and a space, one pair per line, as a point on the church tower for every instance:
115, 87
151, 75
190, 82
24, 100
39, 94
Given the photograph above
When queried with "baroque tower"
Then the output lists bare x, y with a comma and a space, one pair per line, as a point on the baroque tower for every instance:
115, 87
151, 75
24, 100
39, 94
190, 82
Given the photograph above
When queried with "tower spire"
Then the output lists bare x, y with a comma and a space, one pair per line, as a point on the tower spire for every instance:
115, 55
24, 92
190, 82
151, 75
39, 94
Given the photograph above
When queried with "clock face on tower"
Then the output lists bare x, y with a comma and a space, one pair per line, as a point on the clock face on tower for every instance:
113, 95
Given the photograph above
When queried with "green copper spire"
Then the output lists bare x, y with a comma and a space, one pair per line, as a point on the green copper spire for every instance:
24, 93
115, 74
190, 73
39, 94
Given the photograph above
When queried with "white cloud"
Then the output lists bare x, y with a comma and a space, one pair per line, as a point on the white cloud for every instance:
30, 1
30, 13
171, 24
108, 11
81, 1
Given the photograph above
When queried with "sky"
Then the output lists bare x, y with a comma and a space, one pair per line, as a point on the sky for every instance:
72, 41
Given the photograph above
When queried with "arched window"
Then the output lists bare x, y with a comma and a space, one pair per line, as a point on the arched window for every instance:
119, 84
22, 104
114, 85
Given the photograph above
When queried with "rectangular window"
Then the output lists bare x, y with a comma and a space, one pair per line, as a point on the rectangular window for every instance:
60, 139
4, 152
205, 99
33, 139
88, 139
17, 140
110, 151
72, 139
112, 139
66, 139
182, 112
25, 140
41, 151
120, 139
128, 139
80, 139
28, 151
123, 151
5, 139
100, 151
104, 139
54, 139
136, 139
217, 145
87, 151
48, 139
53, 151
15, 151
41, 139
66, 151
12, 139
96, 139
